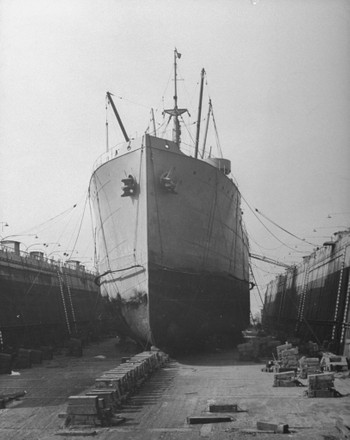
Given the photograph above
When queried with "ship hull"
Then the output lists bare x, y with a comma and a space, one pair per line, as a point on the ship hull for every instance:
311, 301
45, 303
190, 311
174, 256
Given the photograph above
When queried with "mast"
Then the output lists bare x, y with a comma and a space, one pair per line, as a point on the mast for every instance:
107, 134
199, 113
154, 123
109, 97
206, 128
176, 112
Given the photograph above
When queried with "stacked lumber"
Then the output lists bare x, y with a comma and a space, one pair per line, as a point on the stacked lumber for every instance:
288, 356
282, 348
313, 348
309, 366
87, 410
321, 385
257, 348
285, 379
98, 406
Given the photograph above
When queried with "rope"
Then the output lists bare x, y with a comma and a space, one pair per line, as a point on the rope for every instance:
50, 220
285, 230
101, 222
81, 222
284, 244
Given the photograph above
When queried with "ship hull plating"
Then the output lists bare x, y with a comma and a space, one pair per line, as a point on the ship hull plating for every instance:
44, 303
174, 254
311, 300
191, 310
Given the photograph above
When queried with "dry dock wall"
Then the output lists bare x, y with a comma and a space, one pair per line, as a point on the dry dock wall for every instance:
311, 300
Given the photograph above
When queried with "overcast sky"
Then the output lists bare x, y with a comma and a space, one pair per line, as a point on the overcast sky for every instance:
278, 74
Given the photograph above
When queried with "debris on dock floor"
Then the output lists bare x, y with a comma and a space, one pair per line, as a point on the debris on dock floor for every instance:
159, 408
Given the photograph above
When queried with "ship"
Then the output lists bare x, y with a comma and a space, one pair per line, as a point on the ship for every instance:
310, 301
172, 250
45, 302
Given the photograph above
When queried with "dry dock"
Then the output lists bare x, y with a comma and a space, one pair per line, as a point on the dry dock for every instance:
160, 410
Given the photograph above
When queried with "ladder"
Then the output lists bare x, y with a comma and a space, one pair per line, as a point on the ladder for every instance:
346, 311
71, 302
60, 281
283, 295
336, 311
302, 298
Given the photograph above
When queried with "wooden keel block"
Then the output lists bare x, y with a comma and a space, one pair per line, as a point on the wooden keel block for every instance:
83, 405
214, 408
275, 427
197, 420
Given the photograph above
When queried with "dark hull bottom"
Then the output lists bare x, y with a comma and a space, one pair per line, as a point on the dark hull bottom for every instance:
280, 317
194, 310
42, 315
189, 311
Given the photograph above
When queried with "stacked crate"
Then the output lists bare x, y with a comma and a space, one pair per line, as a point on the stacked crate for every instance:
98, 406
257, 348
84, 410
285, 379
309, 366
321, 385
288, 356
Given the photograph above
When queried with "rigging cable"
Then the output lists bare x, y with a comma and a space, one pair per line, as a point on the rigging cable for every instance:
256, 285
216, 134
49, 220
81, 222
285, 230
289, 247
94, 230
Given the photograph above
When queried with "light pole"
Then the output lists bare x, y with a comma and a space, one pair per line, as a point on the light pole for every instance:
4, 225
18, 235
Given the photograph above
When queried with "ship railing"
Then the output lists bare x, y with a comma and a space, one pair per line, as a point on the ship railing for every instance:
8, 254
112, 153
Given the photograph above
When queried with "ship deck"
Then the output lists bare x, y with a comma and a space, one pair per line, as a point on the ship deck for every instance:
183, 388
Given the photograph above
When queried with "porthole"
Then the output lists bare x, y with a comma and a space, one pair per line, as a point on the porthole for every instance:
166, 146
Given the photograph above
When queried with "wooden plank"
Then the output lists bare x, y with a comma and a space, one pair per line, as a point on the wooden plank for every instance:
223, 408
197, 420
275, 427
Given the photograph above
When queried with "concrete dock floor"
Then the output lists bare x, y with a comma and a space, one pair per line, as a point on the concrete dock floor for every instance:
183, 388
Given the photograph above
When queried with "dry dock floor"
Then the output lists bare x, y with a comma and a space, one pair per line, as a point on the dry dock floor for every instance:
183, 388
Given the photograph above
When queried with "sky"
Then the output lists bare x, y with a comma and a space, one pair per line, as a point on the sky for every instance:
278, 75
